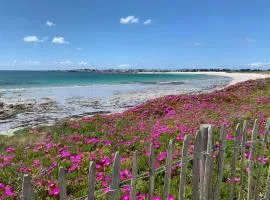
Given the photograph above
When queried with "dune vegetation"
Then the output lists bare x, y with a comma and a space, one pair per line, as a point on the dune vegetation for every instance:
74, 143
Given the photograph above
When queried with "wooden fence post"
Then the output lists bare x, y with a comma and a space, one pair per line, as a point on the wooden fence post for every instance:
91, 181
203, 147
115, 178
251, 159
221, 161
208, 161
243, 147
195, 167
62, 184
134, 176
27, 188
263, 150
267, 195
183, 173
152, 161
234, 158
167, 179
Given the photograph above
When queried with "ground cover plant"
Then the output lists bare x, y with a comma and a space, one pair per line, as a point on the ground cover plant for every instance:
73, 144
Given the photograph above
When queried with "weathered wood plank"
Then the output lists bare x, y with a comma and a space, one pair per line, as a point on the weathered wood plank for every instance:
115, 189
134, 176
27, 188
195, 167
208, 160
221, 161
243, 147
203, 147
167, 179
62, 184
152, 161
91, 180
183, 173
251, 159
260, 168
233, 164
267, 195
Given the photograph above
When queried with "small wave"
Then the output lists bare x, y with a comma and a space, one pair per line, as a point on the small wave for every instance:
155, 82
171, 83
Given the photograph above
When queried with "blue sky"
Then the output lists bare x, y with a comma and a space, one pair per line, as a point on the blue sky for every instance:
63, 34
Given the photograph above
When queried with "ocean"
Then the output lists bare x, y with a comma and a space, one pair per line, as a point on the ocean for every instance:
29, 98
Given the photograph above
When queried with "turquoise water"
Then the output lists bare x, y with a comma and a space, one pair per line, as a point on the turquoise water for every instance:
26, 79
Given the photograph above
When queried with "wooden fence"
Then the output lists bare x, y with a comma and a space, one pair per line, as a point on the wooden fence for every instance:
205, 186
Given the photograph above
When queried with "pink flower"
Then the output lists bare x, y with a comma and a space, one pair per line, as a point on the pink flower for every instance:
9, 192
180, 137
247, 154
125, 197
162, 156
171, 197
10, 149
51, 184
2, 186
65, 154
36, 163
156, 198
263, 161
54, 191
73, 167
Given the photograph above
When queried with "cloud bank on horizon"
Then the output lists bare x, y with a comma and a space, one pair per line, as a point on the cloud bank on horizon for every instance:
165, 35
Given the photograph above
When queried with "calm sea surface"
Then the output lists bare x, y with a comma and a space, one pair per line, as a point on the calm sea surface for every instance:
26, 79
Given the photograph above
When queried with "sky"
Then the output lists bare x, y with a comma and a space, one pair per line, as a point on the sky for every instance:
66, 34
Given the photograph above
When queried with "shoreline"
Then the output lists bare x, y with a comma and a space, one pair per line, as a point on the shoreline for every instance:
119, 103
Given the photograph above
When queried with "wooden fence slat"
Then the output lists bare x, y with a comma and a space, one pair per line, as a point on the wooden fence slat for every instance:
267, 195
221, 161
251, 159
233, 164
167, 178
263, 150
152, 161
195, 167
208, 160
243, 147
91, 180
183, 174
203, 147
27, 188
115, 178
134, 176
62, 184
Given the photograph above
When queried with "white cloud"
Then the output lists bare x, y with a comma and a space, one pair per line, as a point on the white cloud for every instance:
82, 63
129, 20
34, 39
50, 23
196, 44
79, 49
259, 64
59, 40
148, 21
